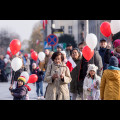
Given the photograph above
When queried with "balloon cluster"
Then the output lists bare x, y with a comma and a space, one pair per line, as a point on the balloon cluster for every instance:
16, 63
107, 28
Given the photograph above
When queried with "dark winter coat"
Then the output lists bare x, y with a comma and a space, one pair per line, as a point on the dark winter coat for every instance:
39, 74
2, 64
19, 93
102, 53
74, 88
108, 55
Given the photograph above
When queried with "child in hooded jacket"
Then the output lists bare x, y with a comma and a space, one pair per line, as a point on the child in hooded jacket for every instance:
92, 83
19, 93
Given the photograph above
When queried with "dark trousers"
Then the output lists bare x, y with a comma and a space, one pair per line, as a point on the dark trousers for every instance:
39, 88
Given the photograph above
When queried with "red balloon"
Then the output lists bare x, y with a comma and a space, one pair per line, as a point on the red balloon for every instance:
31, 50
87, 53
8, 52
15, 46
34, 55
33, 78
105, 29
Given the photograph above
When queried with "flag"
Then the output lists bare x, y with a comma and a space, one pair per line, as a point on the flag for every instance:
71, 64
37, 42
44, 23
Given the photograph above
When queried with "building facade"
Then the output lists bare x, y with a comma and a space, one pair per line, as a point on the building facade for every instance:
78, 28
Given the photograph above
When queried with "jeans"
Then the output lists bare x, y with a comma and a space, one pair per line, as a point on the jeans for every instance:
39, 87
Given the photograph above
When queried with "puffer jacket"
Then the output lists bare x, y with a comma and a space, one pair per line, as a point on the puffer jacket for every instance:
19, 93
57, 89
110, 85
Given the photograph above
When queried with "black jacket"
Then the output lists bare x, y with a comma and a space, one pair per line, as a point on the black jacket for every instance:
102, 54
39, 74
19, 93
108, 55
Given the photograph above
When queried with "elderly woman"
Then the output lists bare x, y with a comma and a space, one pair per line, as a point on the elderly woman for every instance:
57, 76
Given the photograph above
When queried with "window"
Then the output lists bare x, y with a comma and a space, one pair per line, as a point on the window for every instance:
70, 29
62, 27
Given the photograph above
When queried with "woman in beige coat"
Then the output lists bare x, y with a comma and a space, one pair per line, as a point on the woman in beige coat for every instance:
57, 76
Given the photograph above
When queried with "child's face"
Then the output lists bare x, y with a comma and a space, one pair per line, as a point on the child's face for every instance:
34, 67
92, 72
20, 83
118, 49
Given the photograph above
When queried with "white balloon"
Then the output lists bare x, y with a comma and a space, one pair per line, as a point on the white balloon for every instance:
91, 40
5, 60
29, 55
26, 75
16, 64
115, 26
7, 56
41, 56
8, 49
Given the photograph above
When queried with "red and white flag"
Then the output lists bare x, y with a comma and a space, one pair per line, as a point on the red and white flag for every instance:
44, 23
71, 64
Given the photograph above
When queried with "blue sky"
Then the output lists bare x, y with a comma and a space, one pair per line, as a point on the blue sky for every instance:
22, 27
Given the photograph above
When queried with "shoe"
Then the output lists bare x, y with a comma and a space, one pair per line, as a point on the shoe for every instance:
38, 98
42, 98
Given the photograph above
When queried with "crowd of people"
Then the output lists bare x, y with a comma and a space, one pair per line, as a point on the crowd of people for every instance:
97, 79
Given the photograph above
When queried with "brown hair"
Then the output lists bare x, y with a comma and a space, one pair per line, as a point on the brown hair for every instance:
57, 54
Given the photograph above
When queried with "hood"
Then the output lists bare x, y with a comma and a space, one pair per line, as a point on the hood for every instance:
112, 75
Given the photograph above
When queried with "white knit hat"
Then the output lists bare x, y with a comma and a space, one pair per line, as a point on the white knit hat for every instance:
92, 67
63, 52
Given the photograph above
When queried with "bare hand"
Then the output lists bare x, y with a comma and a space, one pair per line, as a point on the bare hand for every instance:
89, 89
61, 76
55, 76
108, 46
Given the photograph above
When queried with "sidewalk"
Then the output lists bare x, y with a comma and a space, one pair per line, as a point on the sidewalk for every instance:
6, 95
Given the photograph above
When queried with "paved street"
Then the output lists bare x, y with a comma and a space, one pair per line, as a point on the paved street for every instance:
5, 93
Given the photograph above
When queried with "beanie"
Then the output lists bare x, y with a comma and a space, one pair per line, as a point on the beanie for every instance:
116, 43
22, 79
113, 61
92, 67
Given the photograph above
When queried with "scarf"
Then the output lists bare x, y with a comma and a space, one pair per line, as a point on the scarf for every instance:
113, 68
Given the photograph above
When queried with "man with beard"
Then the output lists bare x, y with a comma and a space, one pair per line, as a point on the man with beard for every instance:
103, 45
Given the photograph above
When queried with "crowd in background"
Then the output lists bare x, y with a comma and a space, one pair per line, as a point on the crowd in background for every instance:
97, 79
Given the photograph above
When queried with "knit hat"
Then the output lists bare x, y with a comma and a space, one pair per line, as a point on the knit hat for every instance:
59, 46
63, 52
26, 55
116, 43
92, 67
113, 61
22, 79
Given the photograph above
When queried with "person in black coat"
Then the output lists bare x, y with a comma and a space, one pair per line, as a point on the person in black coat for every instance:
19, 93
39, 83
3, 78
102, 50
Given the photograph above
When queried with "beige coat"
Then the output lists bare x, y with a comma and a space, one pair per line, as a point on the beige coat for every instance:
57, 89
